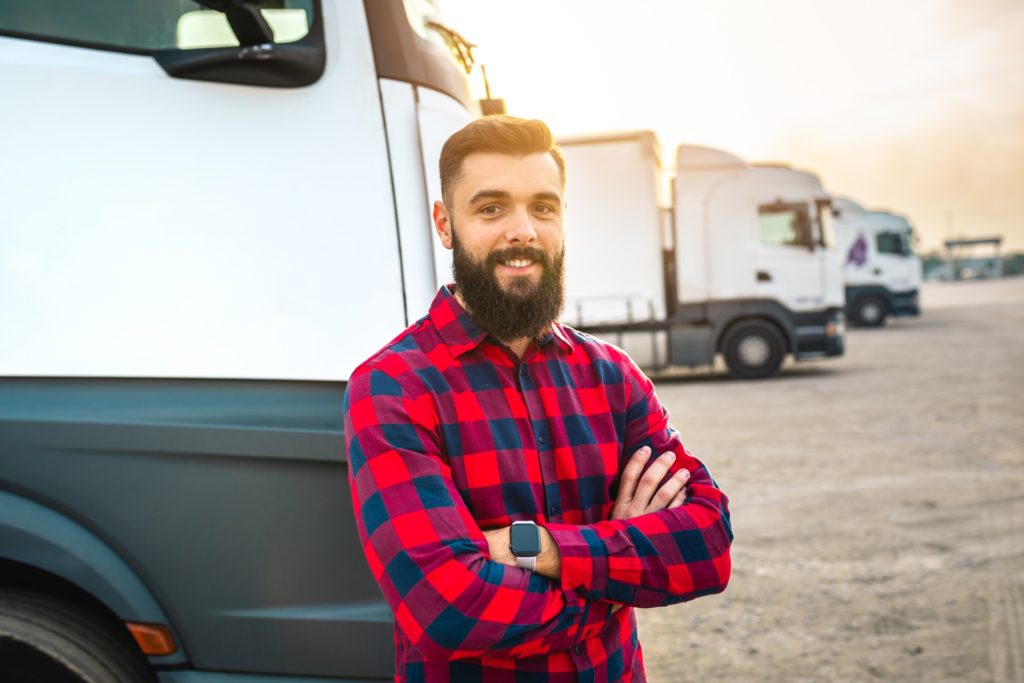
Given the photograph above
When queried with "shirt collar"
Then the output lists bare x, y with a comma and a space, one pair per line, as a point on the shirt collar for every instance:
461, 332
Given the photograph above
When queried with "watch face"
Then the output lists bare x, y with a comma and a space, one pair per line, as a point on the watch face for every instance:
524, 540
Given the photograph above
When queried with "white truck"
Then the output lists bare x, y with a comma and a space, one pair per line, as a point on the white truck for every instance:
740, 262
882, 272
211, 213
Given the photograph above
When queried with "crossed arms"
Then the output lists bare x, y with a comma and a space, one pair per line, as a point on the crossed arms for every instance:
450, 584
640, 492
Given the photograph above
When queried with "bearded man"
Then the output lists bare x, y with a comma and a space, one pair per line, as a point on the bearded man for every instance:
517, 487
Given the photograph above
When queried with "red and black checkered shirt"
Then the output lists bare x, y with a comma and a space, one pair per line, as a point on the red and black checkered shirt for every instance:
449, 433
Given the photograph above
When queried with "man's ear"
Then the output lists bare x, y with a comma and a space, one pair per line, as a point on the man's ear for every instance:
443, 224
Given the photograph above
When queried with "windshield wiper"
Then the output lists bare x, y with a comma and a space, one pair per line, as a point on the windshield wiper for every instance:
461, 48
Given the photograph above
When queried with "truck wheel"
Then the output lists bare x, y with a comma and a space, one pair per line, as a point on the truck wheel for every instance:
870, 311
44, 639
754, 350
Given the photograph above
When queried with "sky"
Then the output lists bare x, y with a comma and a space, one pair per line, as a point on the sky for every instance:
915, 106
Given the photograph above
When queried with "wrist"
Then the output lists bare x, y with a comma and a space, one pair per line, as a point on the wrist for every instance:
549, 562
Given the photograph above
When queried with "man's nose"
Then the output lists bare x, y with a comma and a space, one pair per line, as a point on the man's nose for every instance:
520, 228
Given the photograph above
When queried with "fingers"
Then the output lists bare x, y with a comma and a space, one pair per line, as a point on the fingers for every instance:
639, 491
648, 485
680, 497
670, 491
627, 484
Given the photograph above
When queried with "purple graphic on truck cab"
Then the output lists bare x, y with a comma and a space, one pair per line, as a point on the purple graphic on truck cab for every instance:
858, 253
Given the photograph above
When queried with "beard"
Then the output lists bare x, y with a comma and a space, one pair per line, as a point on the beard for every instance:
524, 309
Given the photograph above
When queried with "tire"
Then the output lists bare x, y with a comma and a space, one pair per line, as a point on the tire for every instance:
754, 350
870, 311
45, 639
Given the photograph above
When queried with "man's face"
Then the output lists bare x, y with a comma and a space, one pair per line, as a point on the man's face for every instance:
505, 224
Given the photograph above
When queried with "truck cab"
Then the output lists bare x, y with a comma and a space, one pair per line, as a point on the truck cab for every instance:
736, 260
756, 260
213, 212
881, 271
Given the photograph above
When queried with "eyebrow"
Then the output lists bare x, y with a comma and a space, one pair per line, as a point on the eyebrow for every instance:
501, 194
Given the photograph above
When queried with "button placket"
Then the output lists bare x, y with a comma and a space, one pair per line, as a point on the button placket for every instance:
539, 426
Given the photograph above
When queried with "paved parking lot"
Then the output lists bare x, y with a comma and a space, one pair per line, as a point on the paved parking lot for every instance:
878, 505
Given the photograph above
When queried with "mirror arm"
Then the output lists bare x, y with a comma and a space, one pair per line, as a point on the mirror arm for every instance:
245, 19
249, 25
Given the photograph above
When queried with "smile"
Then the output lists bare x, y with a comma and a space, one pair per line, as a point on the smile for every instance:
517, 263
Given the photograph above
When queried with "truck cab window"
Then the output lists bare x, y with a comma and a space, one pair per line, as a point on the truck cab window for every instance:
892, 243
785, 225
144, 26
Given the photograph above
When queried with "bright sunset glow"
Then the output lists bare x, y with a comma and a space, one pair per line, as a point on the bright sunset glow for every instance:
916, 106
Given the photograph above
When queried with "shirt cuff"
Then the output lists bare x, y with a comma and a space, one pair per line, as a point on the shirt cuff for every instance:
583, 558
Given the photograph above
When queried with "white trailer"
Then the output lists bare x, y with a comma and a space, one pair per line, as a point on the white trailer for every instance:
617, 226
742, 265
882, 273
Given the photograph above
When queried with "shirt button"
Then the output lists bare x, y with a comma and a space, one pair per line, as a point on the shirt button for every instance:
540, 439
553, 510
578, 649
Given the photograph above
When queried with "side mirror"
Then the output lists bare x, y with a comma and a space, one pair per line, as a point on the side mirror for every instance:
209, 52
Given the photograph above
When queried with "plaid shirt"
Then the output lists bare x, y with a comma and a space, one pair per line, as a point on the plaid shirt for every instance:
449, 433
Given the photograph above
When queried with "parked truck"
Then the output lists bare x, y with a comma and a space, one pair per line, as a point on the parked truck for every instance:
739, 260
882, 273
211, 213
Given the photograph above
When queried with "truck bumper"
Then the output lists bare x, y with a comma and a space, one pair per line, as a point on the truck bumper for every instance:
820, 333
905, 303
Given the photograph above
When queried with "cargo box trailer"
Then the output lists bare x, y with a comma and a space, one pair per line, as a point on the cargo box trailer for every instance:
882, 273
740, 261
209, 219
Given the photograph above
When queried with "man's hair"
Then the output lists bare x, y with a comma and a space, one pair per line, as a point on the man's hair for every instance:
501, 134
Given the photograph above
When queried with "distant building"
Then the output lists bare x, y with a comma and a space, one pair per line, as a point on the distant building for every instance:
961, 262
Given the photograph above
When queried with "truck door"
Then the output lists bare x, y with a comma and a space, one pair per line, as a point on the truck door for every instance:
830, 257
895, 259
789, 269
196, 249
228, 228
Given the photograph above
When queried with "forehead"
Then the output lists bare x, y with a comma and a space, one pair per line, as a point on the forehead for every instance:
527, 175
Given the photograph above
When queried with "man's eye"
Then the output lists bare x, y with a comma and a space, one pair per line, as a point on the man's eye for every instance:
544, 208
490, 209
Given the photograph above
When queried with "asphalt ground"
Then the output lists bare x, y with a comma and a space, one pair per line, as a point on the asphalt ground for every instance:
878, 505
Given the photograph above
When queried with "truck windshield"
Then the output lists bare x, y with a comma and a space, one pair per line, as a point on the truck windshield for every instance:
425, 19
411, 45
896, 243
145, 27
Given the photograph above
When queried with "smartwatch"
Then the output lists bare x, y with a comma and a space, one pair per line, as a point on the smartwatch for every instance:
524, 542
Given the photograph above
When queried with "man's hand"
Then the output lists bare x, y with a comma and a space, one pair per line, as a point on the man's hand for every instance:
639, 495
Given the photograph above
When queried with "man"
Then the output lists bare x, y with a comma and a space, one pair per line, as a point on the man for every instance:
487, 424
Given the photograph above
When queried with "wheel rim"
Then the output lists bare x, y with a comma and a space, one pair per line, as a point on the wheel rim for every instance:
754, 351
870, 312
